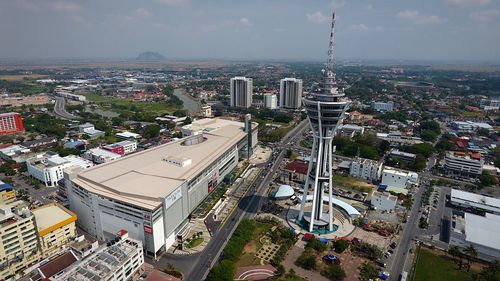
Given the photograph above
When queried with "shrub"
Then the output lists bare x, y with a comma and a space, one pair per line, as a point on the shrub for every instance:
340, 246
334, 272
306, 260
315, 244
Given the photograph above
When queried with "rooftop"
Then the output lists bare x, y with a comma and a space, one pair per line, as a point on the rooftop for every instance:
52, 216
476, 198
149, 169
483, 230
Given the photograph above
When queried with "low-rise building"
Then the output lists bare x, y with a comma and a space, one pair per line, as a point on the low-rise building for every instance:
48, 167
100, 156
382, 106
122, 148
174, 120
36, 143
403, 156
206, 111
128, 135
120, 259
11, 122
55, 226
296, 171
350, 130
14, 152
460, 163
7, 193
366, 169
383, 202
90, 130
398, 180
473, 202
479, 231
469, 126
18, 239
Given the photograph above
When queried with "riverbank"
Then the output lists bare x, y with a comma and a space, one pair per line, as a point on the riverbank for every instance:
191, 104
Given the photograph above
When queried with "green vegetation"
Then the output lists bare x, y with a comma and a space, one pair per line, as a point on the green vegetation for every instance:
45, 124
368, 272
366, 146
7, 169
431, 267
393, 115
307, 260
340, 246
290, 276
292, 155
487, 179
315, 244
66, 151
173, 271
195, 240
151, 131
334, 272
224, 270
352, 183
26, 87
366, 250
429, 130
271, 134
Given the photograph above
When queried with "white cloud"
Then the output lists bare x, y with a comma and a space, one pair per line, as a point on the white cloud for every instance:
417, 18
369, 7
209, 28
358, 27
362, 27
338, 3
176, 3
64, 7
316, 17
142, 12
245, 22
468, 2
485, 16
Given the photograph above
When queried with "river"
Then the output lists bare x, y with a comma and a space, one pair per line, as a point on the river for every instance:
190, 104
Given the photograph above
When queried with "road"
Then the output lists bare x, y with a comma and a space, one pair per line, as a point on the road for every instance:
196, 266
60, 110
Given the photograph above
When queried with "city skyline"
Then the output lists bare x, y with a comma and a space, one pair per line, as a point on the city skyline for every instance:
281, 30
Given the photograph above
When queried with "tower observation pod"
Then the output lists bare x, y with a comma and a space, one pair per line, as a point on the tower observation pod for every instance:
325, 110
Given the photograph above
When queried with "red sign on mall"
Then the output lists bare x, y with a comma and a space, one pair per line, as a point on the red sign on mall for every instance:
148, 230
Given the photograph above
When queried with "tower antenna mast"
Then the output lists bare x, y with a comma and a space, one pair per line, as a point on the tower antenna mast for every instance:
329, 62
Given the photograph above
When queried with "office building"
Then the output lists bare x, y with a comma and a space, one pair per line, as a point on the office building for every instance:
121, 259
469, 126
382, 106
241, 90
18, 239
326, 111
473, 202
48, 167
128, 136
270, 101
403, 156
99, 155
11, 122
122, 148
459, 163
482, 232
16, 153
55, 226
151, 193
290, 93
398, 181
367, 169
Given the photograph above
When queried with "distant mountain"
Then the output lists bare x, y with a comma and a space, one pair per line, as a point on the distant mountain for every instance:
150, 56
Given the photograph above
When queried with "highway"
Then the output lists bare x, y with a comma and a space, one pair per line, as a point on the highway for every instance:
60, 110
248, 208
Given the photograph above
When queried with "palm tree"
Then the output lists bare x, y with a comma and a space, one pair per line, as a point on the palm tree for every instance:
471, 254
455, 252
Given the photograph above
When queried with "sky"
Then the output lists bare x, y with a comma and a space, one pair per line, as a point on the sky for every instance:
251, 29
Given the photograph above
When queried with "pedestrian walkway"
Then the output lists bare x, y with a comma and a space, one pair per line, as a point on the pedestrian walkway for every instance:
195, 226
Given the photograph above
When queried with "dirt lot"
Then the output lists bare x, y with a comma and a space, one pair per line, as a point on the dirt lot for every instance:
20, 77
372, 238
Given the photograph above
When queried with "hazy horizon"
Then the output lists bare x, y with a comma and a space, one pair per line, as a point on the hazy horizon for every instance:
279, 30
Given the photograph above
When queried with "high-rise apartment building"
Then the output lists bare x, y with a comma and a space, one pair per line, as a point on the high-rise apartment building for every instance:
11, 122
290, 93
270, 101
241, 92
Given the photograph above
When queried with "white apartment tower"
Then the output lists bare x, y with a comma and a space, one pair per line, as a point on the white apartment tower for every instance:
270, 101
241, 92
290, 93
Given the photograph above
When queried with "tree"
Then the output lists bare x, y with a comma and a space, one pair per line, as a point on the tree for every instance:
471, 254
315, 244
455, 252
340, 245
487, 179
306, 260
489, 273
151, 131
223, 271
187, 121
334, 272
368, 272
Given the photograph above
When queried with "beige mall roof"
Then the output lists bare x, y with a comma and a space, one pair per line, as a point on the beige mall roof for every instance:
144, 178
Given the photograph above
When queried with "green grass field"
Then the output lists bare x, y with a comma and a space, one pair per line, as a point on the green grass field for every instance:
118, 104
249, 258
432, 267
352, 183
